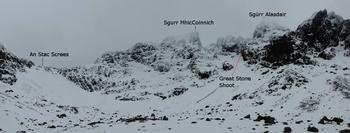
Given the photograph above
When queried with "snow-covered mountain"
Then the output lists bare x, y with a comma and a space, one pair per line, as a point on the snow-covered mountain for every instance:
277, 81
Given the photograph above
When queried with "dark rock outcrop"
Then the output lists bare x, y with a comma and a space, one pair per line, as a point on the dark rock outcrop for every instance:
327, 54
279, 51
325, 120
10, 64
287, 130
344, 131
312, 129
345, 30
226, 66
268, 120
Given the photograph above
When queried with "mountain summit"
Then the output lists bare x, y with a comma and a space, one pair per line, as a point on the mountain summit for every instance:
324, 29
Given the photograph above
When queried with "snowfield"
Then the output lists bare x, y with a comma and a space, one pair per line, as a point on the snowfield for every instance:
38, 94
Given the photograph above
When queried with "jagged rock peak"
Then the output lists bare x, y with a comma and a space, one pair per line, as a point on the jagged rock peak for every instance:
324, 14
322, 30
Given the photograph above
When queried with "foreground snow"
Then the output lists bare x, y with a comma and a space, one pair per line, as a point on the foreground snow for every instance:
41, 96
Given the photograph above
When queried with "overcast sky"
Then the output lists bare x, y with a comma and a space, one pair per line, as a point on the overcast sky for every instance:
88, 28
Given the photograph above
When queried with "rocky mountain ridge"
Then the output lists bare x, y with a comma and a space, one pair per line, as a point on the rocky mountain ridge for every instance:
271, 46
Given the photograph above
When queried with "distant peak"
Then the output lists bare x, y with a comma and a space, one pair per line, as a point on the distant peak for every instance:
194, 38
191, 38
268, 29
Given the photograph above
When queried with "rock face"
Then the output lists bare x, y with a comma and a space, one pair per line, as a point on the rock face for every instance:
323, 30
279, 50
10, 64
87, 80
345, 30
